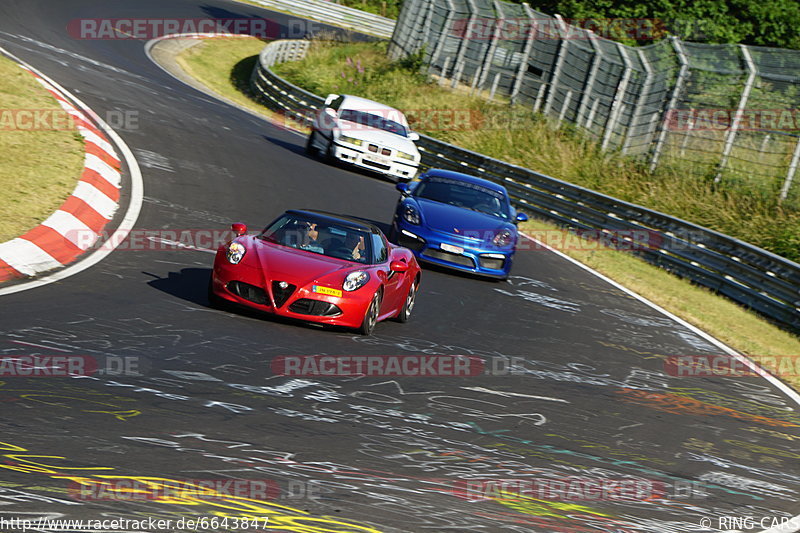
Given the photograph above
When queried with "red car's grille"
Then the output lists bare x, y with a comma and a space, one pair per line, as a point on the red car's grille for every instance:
305, 306
248, 292
281, 294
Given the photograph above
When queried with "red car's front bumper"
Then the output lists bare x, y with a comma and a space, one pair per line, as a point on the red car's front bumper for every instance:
246, 286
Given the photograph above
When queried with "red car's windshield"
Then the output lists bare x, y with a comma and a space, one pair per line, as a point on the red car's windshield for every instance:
323, 238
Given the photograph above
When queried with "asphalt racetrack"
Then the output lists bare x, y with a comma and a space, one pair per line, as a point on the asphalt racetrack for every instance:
192, 397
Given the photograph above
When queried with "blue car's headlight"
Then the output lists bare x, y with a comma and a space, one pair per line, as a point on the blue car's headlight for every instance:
235, 253
503, 238
410, 214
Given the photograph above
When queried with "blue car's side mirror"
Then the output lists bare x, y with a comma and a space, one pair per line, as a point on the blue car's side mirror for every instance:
403, 188
521, 217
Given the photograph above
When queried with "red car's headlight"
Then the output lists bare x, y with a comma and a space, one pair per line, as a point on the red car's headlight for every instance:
355, 280
235, 252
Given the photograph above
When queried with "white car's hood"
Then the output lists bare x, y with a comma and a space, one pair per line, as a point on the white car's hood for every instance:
378, 136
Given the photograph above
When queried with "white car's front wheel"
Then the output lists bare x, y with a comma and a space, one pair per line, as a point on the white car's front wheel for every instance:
310, 150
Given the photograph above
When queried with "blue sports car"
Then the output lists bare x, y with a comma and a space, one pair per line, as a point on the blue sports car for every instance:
457, 221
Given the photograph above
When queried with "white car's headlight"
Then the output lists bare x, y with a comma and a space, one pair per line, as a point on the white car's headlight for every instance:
355, 280
403, 155
411, 214
350, 140
235, 253
503, 238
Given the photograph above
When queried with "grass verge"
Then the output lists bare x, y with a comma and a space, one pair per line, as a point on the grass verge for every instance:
40, 166
218, 62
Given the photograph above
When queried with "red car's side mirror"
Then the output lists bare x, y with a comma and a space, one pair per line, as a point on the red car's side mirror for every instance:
239, 228
398, 266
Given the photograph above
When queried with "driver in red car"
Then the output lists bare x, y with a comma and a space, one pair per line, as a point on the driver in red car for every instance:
355, 243
310, 240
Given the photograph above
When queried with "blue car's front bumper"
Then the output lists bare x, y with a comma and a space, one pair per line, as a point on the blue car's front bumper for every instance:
476, 257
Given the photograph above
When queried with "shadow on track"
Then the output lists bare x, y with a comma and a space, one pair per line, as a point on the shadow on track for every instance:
191, 284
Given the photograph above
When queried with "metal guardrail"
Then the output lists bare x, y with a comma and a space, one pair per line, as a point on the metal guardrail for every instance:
751, 276
335, 15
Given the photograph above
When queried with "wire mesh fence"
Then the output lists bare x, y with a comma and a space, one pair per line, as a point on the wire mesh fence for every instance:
725, 111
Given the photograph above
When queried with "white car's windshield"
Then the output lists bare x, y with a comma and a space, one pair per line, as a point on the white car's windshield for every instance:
373, 121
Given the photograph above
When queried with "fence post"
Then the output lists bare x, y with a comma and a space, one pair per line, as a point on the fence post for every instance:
443, 75
444, 70
494, 86
764, 143
414, 38
597, 58
458, 67
489, 56
619, 96
637, 111
689, 128
401, 36
564, 107
538, 102
562, 52
787, 184
448, 21
673, 100
526, 53
592, 112
426, 27
737, 119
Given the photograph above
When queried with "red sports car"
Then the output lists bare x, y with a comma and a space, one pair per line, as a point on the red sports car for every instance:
319, 267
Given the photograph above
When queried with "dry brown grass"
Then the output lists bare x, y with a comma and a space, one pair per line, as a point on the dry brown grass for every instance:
40, 168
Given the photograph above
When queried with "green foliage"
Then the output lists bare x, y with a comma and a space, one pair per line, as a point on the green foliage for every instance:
384, 8
413, 62
757, 22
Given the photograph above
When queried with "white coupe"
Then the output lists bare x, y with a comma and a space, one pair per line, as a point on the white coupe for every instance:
366, 134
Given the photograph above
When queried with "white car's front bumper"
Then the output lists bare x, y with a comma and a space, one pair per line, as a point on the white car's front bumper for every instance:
400, 168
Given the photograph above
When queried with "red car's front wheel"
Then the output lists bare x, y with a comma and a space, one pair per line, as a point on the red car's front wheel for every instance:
371, 316
408, 306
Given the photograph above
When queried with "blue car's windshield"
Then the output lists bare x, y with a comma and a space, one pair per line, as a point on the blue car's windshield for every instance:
373, 121
322, 238
462, 194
